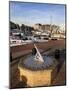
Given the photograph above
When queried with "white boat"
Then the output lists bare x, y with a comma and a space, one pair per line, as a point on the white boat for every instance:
40, 40
15, 42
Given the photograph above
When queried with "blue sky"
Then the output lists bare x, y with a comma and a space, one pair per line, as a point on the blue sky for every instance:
32, 13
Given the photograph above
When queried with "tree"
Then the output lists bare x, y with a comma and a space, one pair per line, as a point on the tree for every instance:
14, 26
17, 26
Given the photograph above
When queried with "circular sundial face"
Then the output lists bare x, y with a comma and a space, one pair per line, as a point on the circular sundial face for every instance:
37, 61
31, 63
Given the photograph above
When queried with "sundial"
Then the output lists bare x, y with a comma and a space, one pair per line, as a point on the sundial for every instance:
38, 69
37, 61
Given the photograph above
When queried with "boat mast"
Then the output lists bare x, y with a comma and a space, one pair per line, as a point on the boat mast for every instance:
50, 26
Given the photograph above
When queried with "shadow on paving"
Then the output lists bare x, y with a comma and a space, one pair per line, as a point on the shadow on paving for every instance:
21, 85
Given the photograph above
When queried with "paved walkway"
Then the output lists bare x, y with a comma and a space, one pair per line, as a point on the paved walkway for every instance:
19, 54
60, 79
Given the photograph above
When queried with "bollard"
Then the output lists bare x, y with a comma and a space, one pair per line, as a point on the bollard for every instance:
57, 53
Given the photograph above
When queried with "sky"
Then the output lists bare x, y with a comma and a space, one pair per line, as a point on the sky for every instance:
32, 13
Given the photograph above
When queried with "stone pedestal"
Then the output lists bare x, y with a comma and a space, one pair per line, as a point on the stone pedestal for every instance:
34, 73
38, 77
